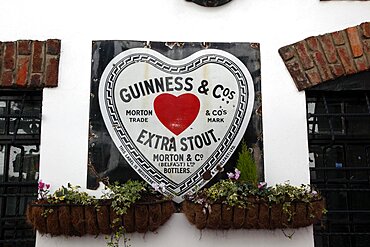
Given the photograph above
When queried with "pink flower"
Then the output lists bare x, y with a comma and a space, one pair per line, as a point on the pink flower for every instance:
237, 174
262, 185
41, 185
159, 187
155, 186
43, 189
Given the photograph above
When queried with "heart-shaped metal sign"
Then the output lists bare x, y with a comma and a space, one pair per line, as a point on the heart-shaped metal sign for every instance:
176, 121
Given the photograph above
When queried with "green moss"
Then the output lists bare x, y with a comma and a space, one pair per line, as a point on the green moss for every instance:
247, 166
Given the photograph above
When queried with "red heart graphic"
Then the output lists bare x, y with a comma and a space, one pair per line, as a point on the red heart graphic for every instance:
176, 113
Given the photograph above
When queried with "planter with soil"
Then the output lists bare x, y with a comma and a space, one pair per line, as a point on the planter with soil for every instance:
78, 220
258, 214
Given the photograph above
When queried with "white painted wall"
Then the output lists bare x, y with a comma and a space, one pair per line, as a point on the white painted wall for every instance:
273, 23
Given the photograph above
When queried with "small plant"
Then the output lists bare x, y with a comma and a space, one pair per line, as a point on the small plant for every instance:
159, 187
247, 166
43, 189
236, 193
235, 175
118, 197
282, 199
71, 195
122, 198
286, 194
46, 212
225, 191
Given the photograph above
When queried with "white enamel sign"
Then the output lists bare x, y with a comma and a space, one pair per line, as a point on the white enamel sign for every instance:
176, 121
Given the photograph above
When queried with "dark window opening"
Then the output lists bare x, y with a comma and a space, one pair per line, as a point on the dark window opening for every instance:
20, 123
339, 147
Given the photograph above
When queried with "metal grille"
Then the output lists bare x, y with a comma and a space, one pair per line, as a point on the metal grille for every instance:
20, 122
339, 145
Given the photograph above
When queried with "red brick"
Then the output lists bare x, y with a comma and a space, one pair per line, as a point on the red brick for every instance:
361, 64
338, 38
1, 57
328, 47
53, 46
38, 56
366, 29
9, 55
7, 78
322, 66
355, 41
22, 71
313, 76
52, 66
337, 69
346, 60
24, 47
297, 74
36, 80
366, 44
303, 55
312, 43
286, 52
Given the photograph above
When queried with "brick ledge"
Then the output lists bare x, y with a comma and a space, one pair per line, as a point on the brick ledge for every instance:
29, 63
322, 58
